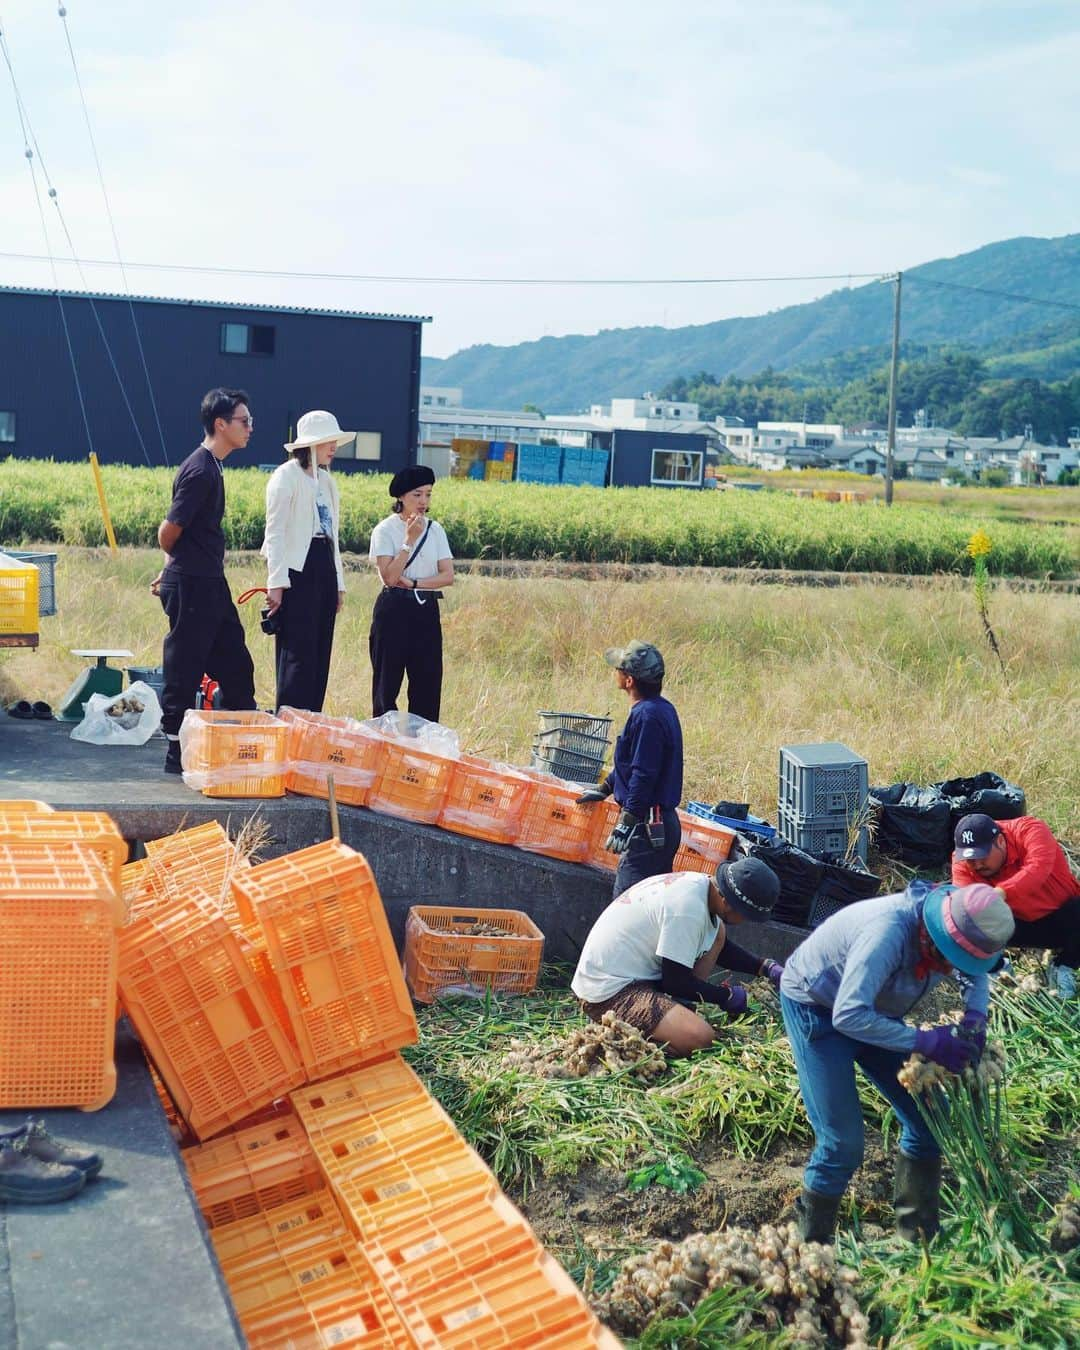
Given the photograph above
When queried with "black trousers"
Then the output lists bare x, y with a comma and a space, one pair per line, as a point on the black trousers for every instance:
1059, 930
306, 636
205, 637
406, 639
641, 860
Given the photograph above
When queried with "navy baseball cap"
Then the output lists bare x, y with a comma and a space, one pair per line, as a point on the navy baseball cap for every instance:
974, 837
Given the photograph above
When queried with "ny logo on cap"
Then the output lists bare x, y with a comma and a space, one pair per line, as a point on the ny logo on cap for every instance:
968, 836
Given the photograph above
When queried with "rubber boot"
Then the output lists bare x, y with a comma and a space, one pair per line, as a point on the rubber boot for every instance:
917, 1197
816, 1214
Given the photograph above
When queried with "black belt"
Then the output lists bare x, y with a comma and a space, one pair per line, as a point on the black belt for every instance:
422, 595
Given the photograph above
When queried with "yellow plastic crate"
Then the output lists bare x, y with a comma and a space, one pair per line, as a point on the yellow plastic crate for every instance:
18, 597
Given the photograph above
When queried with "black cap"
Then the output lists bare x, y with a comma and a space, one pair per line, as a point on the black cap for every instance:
749, 886
408, 480
974, 837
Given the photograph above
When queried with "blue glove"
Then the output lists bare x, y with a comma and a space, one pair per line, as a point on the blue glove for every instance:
973, 1029
773, 970
618, 841
943, 1047
735, 999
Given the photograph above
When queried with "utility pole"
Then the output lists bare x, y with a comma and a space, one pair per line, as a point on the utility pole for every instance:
890, 448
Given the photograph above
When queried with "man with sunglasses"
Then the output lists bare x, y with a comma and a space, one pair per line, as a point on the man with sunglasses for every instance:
205, 633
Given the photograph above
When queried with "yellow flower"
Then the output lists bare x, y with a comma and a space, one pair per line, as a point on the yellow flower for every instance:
979, 544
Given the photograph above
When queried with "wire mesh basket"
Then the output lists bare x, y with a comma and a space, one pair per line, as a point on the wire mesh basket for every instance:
583, 722
567, 765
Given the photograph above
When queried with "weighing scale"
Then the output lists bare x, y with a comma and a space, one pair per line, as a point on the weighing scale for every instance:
99, 679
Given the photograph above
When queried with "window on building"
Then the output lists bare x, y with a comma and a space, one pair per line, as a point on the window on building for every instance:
247, 339
425, 399
367, 446
677, 466
440, 401
7, 428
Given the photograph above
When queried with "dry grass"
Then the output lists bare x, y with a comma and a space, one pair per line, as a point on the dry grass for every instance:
902, 676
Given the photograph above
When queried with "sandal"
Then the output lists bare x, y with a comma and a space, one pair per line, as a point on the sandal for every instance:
43, 712
22, 710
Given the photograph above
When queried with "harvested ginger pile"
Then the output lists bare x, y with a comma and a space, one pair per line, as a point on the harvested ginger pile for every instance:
607, 1046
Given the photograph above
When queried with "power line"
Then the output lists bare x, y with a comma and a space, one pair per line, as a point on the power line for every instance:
988, 290
62, 12
286, 274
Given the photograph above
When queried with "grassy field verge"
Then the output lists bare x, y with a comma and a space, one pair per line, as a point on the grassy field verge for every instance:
43, 500
903, 676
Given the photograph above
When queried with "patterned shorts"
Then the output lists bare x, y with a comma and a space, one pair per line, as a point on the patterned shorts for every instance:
642, 1004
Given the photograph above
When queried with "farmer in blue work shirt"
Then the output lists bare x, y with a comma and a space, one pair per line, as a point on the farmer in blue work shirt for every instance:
647, 777
844, 993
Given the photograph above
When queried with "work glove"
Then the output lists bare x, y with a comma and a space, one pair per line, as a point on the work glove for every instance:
772, 970
973, 1029
593, 794
618, 841
734, 999
943, 1047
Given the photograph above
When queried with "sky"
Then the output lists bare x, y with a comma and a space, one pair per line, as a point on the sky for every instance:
563, 139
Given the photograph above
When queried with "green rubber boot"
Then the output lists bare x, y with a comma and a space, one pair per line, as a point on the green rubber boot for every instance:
816, 1215
917, 1197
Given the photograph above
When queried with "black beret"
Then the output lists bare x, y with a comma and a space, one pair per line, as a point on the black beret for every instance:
407, 480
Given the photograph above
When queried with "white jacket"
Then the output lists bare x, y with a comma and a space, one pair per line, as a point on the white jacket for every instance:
291, 515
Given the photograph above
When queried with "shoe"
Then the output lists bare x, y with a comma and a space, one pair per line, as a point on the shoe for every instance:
1062, 980
917, 1197
172, 758
26, 1179
42, 711
22, 710
816, 1214
41, 1145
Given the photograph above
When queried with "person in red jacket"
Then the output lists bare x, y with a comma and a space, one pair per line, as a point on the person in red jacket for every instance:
1029, 867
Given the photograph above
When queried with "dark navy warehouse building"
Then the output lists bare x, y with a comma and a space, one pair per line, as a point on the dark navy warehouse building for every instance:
143, 365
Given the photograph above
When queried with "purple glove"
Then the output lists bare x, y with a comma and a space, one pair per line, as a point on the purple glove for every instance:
734, 1000
974, 1028
943, 1047
772, 970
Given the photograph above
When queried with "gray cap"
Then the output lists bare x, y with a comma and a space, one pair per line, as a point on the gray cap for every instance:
639, 659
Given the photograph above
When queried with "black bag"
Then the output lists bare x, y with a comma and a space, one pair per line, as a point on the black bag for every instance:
914, 825
800, 876
987, 793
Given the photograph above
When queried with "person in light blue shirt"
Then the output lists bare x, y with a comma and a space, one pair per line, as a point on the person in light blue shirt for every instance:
844, 994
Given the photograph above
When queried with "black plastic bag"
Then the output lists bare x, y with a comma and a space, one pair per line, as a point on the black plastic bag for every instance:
800, 876
914, 825
987, 793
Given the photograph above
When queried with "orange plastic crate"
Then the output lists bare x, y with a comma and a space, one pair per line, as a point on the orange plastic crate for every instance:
412, 783
704, 845
202, 1015
18, 597
233, 754
249, 1243
484, 800
94, 829
382, 1084
330, 947
439, 956
23, 805
189, 844
345, 1313
252, 1169
524, 1300
58, 962
604, 816
317, 745
552, 823
449, 1241
294, 1276
374, 1140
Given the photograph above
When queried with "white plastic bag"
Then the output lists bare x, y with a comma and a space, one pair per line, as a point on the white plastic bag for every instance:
130, 718
430, 736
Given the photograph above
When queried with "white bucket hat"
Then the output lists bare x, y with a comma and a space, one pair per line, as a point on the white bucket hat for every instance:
314, 428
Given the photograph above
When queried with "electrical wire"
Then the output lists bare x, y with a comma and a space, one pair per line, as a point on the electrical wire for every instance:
988, 290
62, 12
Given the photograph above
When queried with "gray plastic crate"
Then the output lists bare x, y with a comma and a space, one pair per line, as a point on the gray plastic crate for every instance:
46, 566
826, 779
823, 836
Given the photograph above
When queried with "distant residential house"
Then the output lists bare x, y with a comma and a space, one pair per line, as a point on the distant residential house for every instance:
922, 462
857, 456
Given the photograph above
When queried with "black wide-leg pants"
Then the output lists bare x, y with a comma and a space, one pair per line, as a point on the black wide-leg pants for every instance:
406, 639
205, 637
305, 637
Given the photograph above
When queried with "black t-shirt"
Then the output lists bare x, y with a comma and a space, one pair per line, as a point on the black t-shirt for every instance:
198, 505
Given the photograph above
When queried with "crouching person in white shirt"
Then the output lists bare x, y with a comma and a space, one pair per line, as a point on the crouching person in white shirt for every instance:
653, 949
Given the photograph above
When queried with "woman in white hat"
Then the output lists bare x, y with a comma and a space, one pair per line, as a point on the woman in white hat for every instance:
305, 583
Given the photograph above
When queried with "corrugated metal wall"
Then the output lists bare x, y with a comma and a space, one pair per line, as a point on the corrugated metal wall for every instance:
365, 371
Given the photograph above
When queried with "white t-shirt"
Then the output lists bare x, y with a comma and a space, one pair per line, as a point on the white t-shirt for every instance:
388, 538
664, 916
323, 522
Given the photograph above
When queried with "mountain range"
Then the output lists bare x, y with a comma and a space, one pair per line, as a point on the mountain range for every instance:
975, 301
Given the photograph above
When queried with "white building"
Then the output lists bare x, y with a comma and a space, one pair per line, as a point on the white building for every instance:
440, 396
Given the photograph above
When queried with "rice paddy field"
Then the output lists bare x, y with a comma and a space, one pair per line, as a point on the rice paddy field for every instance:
688, 1173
